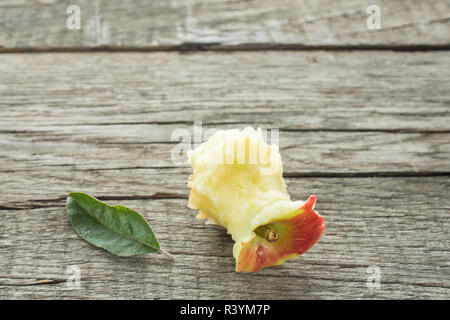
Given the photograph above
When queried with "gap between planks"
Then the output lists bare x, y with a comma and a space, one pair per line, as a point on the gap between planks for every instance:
394, 130
202, 47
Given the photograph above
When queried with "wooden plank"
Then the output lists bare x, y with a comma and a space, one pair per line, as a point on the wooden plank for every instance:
82, 157
359, 90
400, 225
189, 24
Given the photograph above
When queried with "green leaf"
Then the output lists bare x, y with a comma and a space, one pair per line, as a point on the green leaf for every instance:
120, 230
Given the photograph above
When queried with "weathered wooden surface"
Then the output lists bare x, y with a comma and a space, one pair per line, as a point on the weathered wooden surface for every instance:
367, 131
83, 161
400, 225
60, 113
372, 141
317, 90
187, 24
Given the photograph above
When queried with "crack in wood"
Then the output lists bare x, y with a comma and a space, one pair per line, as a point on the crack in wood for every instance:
36, 283
57, 202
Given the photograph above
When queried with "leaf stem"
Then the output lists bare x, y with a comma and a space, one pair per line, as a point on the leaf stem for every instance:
166, 253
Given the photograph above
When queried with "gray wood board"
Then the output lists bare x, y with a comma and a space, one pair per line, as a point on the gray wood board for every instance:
162, 24
64, 161
400, 225
317, 90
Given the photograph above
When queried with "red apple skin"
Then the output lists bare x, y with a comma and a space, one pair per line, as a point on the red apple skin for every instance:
296, 236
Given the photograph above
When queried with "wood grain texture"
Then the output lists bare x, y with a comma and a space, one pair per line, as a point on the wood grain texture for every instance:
400, 225
359, 90
196, 24
367, 132
84, 158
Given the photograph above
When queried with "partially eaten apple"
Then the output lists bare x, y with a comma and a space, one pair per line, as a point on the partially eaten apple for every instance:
237, 183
